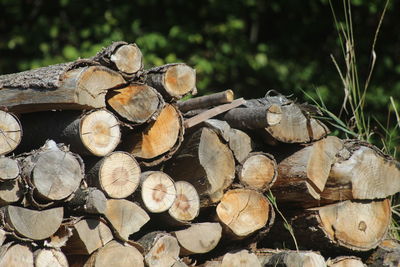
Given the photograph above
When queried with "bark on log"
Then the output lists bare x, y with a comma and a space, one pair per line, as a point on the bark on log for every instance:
123, 57
387, 254
93, 133
125, 217
87, 236
288, 258
117, 174
240, 259
206, 162
10, 131
49, 257
199, 238
186, 206
106, 256
136, 103
11, 191
206, 101
173, 81
9, 169
245, 211
159, 140
75, 85
258, 171
254, 117
52, 173
158, 191
16, 255
88, 200
345, 261
160, 249
32, 224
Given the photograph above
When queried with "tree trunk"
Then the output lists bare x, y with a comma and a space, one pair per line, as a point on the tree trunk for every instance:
206, 101
206, 162
88, 200
199, 238
93, 133
11, 191
114, 252
117, 174
186, 206
345, 261
14, 255
75, 85
158, 191
32, 224
49, 257
10, 131
52, 173
123, 57
258, 171
125, 217
288, 258
87, 236
161, 249
243, 212
159, 140
173, 81
9, 169
136, 103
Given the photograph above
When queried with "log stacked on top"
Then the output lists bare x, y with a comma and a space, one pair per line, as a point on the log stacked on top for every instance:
102, 163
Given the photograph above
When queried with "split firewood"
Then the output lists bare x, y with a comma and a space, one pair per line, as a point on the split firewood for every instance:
76, 85
160, 249
288, 258
31, 224
89, 200
199, 238
117, 174
121, 56
159, 140
207, 101
3, 236
16, 255
173, 81
387, 254
346, 261
245, 211
258, 171
241, 258
52, 172
11, 191
158, 191
125, 217
96, 132
186, 206
206, 162
10, 131
9, 169
239, 142
87, 236
115, 254
135, 103
47, 257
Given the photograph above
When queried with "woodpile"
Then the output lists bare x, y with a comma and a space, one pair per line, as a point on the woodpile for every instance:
103, 164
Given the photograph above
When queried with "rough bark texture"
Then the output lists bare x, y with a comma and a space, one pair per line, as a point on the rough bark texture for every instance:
88, 200
11, 191
254, 117
206, 101
10, 132
387, 254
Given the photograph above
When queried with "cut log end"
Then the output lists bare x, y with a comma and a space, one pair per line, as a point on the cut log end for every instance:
258, 171
50, 257
128, 58
10, 132
186, 206
9, 169
240, 259
180, 80
158, 191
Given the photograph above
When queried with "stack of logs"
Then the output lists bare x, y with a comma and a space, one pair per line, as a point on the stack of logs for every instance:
103, 164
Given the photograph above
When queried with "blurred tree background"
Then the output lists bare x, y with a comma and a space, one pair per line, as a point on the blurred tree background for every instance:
250, 46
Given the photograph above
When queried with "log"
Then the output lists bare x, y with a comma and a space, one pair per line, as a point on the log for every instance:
135, 103
88, 200
207, 101
32, 224
241, 258
387, 254
121, 56
87, 236
76, 85
199, 238
345, 261
125, 217
173, 81
254, 118
158, 191
9, 169
205, 162
96, 132
243, 212
258, 171
115, 254
160, 249
159, 140
186, 206
117, 174
10, 131
16, 255
52, 172
10, 192
49, 257
270, 258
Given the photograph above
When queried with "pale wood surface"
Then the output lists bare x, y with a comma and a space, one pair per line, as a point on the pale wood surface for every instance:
49, 257
186, 206
16, 255
9, 169
10, 132
206, 101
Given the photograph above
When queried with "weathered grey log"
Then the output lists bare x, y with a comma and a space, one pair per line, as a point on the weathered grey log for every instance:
206, 101
11, 191
75, 85
387, 254
89, 200
346, 261
254, 117
9, 169
10, 131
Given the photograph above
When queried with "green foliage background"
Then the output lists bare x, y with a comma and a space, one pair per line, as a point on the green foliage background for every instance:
250, 46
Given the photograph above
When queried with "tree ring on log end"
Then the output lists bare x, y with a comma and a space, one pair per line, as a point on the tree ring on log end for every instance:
10, 132
158, 191
187, 203
180, 80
